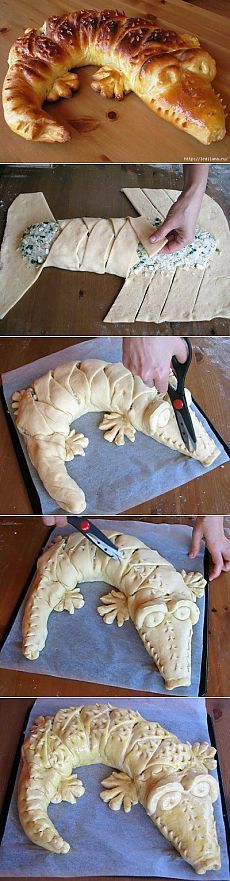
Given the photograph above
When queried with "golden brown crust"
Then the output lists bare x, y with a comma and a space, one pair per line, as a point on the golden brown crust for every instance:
168, 71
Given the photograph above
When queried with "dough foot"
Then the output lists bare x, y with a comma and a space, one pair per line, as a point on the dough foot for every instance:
64, 86
204, 754
17, 397
119, 790
72, 600
116, 428
194, 580
110, 83
115, 608
75, 445
69, 790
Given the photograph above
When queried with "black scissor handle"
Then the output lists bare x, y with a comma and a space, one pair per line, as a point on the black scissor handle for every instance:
181, 369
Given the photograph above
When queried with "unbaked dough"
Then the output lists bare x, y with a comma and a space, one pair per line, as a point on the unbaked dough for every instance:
168, 777
160, 601
44, 413
85, 244
100, 245
197, 295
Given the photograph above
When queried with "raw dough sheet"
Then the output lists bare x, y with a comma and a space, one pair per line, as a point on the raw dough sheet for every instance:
81, 646
104, 842
196, 295
114, 478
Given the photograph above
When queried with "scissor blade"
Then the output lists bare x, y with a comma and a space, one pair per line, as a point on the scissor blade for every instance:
90, 531
183, 418
108, 549
184, 429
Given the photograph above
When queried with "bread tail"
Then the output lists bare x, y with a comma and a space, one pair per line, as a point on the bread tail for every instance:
48, 455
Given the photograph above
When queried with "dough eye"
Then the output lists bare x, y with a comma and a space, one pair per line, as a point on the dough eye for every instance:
154, 619
182, 613
160, 416
169, 801
200, 788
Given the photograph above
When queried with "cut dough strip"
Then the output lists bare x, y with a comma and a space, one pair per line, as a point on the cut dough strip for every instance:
195, 295
100, 245
82, 244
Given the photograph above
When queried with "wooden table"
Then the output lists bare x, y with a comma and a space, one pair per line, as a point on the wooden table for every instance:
16, 710
21, 540
137, 135
62, 302
209, 383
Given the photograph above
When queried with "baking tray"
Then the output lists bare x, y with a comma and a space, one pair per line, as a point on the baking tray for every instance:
51, 706
120, 670
125, 491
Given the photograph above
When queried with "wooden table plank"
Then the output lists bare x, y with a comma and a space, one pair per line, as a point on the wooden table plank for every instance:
210, 5
61, 302
21, 540
15, 711
209, 383
152, 139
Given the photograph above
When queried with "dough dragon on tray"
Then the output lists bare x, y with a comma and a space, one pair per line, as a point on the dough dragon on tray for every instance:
160, 601
45, 412
153, 767
170, 72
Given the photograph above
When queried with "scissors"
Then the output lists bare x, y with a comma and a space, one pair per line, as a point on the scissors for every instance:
179, 403
87, 528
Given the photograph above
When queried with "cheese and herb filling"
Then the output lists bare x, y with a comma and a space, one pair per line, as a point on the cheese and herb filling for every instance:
193, 256
37, 239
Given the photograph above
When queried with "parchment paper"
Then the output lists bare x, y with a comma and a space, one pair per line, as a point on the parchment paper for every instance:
113, 478
103, 842
82, 646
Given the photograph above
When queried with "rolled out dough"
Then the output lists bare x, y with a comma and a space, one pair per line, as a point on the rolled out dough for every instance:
180, 295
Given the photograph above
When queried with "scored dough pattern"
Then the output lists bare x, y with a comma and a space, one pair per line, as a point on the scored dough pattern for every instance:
160, 601
169, 778
45, 412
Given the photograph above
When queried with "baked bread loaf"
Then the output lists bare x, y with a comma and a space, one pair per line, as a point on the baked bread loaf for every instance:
160, 601
153, 767
45, 411
170, 72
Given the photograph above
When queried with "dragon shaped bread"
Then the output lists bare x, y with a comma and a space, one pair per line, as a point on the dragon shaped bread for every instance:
170, 72
153, 767
45, 411
160, 601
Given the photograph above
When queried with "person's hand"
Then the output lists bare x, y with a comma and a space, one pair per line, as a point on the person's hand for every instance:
55, 521
211, 529
150, 358
180, 224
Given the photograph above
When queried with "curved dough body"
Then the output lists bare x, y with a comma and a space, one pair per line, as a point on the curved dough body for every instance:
160, 601
169, 778
171, 73
45, 412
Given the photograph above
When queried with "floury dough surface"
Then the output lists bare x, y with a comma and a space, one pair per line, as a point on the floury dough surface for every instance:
100, 245
197, 294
